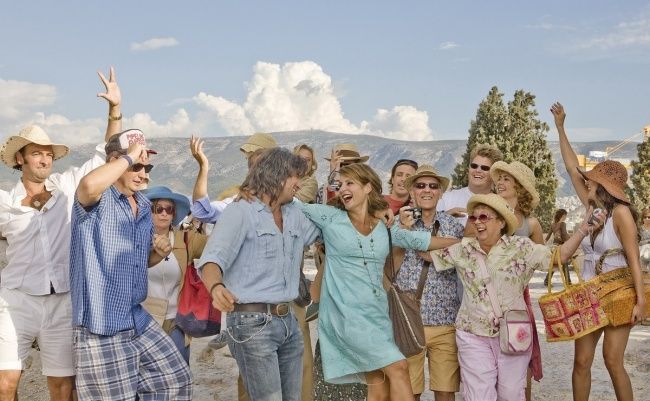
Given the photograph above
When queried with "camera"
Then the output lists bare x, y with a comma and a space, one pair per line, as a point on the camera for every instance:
593, 219
417, 212
335, 186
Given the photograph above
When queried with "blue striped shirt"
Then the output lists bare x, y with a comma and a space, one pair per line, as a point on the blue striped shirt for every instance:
259, 263
108, 263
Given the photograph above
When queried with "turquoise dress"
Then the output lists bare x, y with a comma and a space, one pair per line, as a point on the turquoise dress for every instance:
354, 330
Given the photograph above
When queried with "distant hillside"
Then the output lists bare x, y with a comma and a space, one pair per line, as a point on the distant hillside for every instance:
175, 167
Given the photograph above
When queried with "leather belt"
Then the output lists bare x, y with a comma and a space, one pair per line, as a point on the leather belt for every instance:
281, 310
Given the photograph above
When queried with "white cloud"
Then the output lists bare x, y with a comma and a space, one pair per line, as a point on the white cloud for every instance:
154, 44
624, 35
448, 45
18, 98
178, 125
298, 96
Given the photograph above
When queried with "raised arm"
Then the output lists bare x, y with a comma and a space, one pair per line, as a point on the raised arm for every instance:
114, 98
201, 184
568, 154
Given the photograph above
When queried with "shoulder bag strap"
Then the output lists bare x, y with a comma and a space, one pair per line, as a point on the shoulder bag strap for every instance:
425, 268
186, 239
487, 280
389, 266
609, 252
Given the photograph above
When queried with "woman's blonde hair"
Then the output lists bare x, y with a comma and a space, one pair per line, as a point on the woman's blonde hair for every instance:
524, 199
314, 165
363, 174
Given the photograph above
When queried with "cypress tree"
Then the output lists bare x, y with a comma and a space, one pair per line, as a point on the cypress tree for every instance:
640, 196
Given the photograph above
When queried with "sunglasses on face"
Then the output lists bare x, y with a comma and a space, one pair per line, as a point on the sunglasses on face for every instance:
431, 185
482, 218
158, 209
481, 166
139, 166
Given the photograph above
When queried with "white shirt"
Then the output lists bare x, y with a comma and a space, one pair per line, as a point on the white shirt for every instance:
38, 241
455, 198
164, 281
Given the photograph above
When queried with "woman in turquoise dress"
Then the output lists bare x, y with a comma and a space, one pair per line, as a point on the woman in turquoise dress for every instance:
355, 331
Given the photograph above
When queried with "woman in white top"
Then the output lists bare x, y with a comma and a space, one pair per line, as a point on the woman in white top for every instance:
603, 187
165, 280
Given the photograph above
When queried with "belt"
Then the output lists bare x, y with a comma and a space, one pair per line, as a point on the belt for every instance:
281, 310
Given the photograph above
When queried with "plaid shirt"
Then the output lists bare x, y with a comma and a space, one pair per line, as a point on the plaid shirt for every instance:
108, 264
439, 300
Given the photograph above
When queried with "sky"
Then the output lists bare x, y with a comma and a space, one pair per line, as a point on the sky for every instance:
409, 70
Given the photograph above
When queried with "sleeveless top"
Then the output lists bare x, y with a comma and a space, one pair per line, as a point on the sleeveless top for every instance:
606, 239
524, 228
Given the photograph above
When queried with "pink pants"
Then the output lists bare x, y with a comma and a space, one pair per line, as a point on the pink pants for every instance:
487, 373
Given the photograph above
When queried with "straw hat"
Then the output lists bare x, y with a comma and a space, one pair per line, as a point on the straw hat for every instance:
31, 134
522, 174
499, 205
426, 170
348, 152
258, 141
612, 175
181, 202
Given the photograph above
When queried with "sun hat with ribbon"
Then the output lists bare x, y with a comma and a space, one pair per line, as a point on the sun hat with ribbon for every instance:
612, 175
349, 152
258, 141
426, 170
181, 202
522, 173
31, 134
499, 205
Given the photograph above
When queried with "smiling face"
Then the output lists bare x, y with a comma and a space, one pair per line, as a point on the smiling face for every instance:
426, 197
478, 177
36, 161
402, 172
506, 186
308, 156
488, 225
291, 186
353, 194
132, 181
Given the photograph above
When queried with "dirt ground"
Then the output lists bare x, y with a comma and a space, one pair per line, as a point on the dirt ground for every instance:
215, 373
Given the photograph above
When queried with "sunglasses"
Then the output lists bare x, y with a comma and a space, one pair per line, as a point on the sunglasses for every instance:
139, 166
482, 218
431, 185
167, 209
481, 166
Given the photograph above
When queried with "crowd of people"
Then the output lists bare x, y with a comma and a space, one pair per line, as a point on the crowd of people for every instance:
97, 256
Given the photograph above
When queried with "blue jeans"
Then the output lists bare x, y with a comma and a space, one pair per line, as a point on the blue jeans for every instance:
268, 350
178, 337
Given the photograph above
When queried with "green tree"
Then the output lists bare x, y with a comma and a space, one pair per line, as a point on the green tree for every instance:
516, 130
640, 195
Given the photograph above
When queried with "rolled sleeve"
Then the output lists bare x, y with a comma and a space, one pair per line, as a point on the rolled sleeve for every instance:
208, 212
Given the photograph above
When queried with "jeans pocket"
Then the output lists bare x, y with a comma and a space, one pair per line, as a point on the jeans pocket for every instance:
245, 326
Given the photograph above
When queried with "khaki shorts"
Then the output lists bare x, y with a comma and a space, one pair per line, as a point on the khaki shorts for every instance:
47, 318
444, 370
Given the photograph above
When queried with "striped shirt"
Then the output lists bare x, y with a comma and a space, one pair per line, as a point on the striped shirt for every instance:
108, 263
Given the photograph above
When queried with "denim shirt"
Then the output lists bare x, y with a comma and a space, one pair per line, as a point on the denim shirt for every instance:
440, 302
259, 263
109, 257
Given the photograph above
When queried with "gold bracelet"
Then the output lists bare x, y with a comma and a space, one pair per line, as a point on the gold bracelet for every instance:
111, 118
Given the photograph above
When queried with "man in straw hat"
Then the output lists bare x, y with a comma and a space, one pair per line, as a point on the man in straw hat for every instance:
439, 301
120, 351
342, 155
35, 284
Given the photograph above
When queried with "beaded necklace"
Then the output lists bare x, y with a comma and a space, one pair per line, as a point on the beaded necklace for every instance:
375, 286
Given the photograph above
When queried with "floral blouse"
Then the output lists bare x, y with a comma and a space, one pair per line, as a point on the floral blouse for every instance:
510, 263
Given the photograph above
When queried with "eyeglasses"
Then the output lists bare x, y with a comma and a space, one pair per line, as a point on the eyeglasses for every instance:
167, 209
481, 166
410, 162
139, 166
431, 185
482, 218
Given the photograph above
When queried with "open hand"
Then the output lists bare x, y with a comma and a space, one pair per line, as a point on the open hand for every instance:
112, 94
558, 114
196, 148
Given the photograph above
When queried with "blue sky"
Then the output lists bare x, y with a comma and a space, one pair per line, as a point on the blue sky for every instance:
411, 70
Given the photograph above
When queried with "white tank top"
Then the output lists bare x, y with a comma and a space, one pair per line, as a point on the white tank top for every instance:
606, 239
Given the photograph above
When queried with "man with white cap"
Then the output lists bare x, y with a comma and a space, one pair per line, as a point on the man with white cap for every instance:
35, 218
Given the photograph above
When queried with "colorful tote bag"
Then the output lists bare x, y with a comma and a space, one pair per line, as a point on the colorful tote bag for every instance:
573, 312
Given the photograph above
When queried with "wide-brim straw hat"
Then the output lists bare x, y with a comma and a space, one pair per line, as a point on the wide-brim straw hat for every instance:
349, 152
258, 141
499, 205
181, 202
31, 134
522, 173
612, 175
426, 170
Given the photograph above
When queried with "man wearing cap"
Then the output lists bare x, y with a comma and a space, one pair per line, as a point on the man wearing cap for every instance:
202, 209
439, 300
35, 218
479, 181
120, 351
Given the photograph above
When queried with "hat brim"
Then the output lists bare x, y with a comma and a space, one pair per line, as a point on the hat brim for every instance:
611, 189
15, 143
444, 181
181, 202
360, 159
521, 179
249, 148
500, 207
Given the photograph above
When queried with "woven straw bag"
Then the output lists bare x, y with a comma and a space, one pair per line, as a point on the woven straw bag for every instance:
573, 312
616, 291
